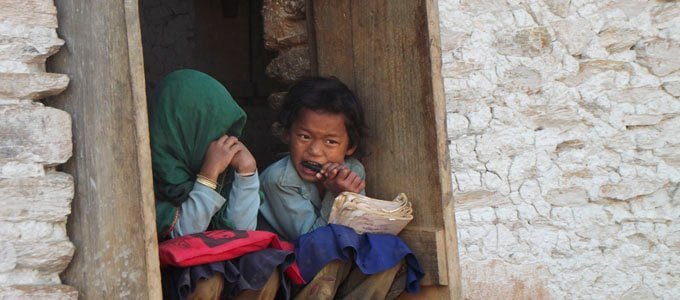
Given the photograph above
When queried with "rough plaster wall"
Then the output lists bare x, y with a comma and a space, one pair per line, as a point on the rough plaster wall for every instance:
168, 35
564, 128
36, 200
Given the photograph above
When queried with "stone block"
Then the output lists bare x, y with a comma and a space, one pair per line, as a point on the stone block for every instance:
32, 48
530, 42
49, 256
31, 231
290, 65
574, 33
28, 277
47, 198
618, 39
496, 279
275, 100
34, 134
480, 7
647, 100
9, 257
558, 7
628, 189
593, 68
50, 291
284, 24
479, 198
661, 56
39, 13
523, 79
641, 120
453, 38
16, 169
669, 155
31, 85
567, 197
639, 292
672, 88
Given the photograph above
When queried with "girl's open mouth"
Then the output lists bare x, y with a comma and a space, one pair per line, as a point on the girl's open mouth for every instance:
312, 166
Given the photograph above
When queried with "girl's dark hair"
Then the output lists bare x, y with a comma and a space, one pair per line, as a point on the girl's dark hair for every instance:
326, 94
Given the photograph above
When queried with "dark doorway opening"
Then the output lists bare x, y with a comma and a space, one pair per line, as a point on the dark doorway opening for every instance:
223, 38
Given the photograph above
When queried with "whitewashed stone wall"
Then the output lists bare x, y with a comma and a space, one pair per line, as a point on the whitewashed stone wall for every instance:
564, 122
34, 138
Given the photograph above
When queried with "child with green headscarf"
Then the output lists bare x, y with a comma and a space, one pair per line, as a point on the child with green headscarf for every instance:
194, 125
204, 177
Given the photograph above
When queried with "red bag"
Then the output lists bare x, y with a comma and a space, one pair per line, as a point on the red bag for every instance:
220, 245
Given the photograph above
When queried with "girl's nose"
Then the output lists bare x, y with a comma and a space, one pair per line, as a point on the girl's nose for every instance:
315, 148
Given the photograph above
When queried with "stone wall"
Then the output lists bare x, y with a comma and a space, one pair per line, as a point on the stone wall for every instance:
564, 128
285, 31
34, 138
168, 32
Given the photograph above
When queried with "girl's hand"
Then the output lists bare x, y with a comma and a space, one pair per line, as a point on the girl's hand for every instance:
219, 156
243, 161
339, 178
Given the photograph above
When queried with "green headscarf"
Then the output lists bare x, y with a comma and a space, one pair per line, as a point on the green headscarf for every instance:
188, 110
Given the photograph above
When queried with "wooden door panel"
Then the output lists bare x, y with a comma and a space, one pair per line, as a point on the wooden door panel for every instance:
388, 52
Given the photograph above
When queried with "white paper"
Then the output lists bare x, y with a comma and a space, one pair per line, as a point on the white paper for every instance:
365, 214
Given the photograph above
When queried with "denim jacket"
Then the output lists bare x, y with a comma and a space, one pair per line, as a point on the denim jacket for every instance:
292, 206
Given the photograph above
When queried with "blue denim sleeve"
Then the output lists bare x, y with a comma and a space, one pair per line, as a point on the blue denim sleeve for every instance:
203, 203
244, 201
288, 212
196, 211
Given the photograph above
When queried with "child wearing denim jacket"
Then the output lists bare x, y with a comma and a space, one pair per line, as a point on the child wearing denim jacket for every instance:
323, 124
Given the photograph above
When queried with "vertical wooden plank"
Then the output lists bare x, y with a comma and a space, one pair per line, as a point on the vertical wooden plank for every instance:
334, 42
395, 69
142, 142
392, 66
112, 219
393, 76
439, 103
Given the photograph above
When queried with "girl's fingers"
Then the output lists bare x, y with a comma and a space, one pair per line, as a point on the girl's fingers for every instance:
330, 170
222, 139
230, 141
344, 173
362, 185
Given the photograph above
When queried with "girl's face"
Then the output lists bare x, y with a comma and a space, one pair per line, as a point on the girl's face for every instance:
318, 137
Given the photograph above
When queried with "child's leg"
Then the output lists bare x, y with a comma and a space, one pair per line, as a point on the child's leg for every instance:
375, 286
326, 282
267, 292
208, 288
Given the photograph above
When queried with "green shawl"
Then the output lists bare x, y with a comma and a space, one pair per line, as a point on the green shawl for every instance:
188, 110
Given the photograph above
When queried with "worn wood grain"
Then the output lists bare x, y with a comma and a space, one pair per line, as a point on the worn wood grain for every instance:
143, 142
454, 286
425, 242
111, 223
333, 43
387, 51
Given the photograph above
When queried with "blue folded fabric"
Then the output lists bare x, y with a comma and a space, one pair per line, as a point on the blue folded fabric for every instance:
372, 252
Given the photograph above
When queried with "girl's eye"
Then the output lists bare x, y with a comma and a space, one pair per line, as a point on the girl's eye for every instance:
332, 142
303, 136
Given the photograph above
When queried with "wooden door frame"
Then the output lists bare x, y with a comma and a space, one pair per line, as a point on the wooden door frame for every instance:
389, 52
112, 223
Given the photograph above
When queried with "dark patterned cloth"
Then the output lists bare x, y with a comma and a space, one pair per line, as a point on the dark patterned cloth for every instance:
248, 272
